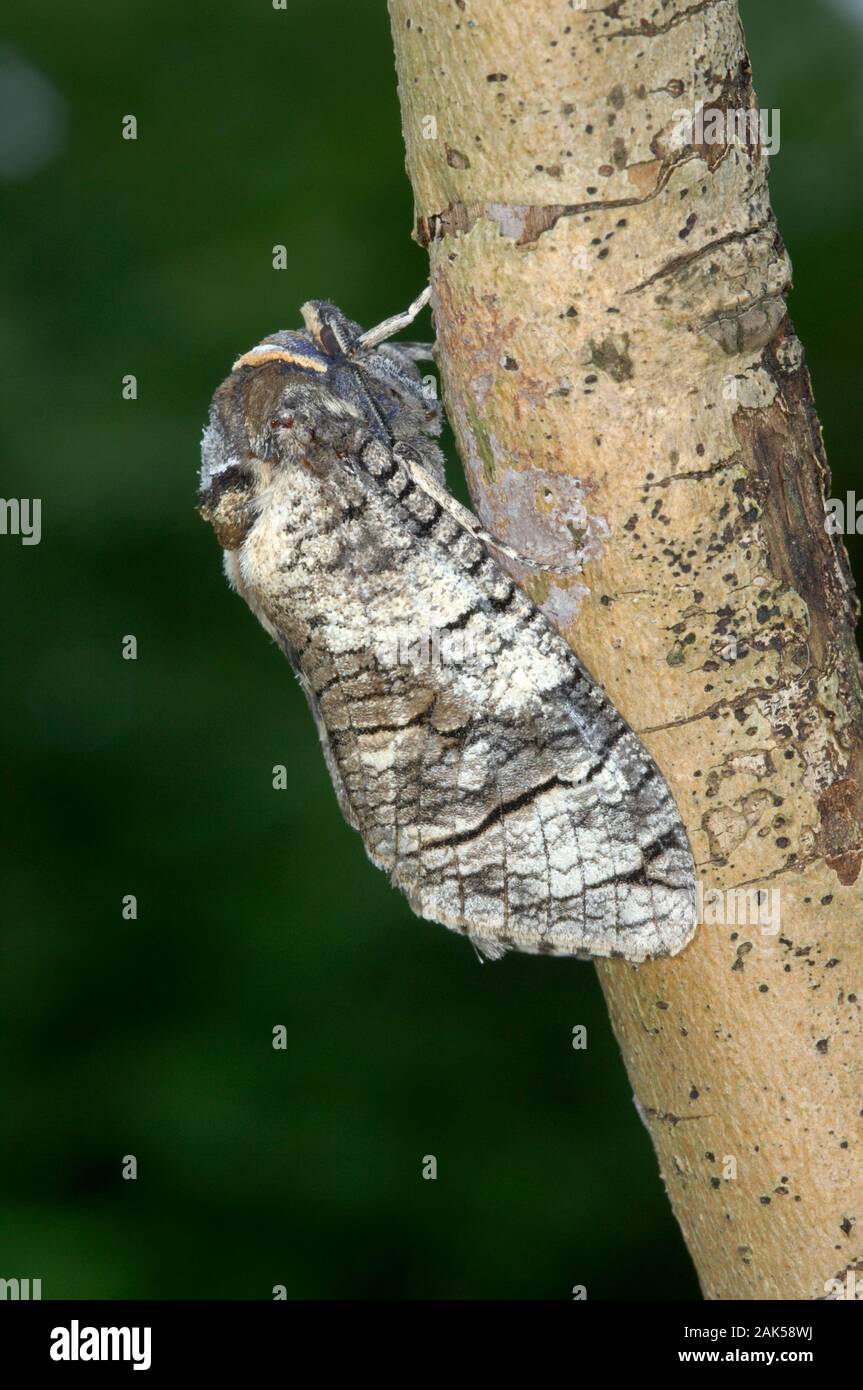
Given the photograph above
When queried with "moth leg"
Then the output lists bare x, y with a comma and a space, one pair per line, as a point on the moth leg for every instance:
468, 520
537, 565
417, 352
373, 336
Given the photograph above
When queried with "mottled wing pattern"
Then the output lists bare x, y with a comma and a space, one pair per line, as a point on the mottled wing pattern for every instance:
502, 791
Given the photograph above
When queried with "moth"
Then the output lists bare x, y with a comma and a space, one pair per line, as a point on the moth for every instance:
500, 789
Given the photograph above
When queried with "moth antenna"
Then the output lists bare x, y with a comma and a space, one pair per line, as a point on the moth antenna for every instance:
373, 336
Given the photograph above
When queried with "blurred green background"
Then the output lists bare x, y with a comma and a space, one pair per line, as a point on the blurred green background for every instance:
256, 907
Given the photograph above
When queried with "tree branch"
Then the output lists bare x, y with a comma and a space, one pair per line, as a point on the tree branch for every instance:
624, 383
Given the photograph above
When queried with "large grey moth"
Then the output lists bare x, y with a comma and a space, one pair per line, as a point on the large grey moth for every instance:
490, 777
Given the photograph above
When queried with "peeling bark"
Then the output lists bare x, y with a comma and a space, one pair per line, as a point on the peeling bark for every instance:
626, 387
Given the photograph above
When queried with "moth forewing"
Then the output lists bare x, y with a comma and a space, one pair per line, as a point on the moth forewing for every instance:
487, 773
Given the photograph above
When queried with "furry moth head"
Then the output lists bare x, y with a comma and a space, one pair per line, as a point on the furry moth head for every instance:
308, 394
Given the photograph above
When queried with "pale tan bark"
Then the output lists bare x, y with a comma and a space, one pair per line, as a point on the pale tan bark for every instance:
618, 366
